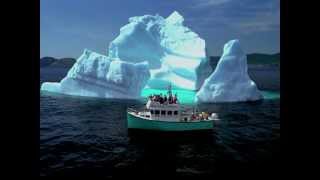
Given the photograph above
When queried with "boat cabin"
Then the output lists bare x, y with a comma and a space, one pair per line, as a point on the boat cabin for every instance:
162, 111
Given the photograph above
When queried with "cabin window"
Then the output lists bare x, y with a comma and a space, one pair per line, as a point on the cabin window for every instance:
175, 112
147, 116
157, 112
163, 112
169, 112
151, 111
185, 119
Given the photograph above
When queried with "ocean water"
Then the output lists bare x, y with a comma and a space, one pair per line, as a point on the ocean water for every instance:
82, 136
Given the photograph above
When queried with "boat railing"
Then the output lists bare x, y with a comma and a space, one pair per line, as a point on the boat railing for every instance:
158, 104
132, 110
137, 111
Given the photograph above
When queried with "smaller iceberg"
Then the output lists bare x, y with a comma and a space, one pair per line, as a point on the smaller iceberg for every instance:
230, 81
96, 75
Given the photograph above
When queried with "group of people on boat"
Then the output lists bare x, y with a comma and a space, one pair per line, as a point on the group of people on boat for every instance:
200, 116
163, 99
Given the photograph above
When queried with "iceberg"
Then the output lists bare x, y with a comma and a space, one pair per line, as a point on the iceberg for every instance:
176, 55
96, 75
153, 52
230, 81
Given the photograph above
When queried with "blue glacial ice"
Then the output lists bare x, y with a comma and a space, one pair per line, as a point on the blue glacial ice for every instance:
176, 55
96, 75
230, 81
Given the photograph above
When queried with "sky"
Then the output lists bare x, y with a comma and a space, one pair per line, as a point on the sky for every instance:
67, 27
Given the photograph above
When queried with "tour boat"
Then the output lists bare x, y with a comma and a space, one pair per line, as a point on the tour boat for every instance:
166, 114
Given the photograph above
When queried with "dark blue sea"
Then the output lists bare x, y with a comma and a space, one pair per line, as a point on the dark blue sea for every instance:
88, 137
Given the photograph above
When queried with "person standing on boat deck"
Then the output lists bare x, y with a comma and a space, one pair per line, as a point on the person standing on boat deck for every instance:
169, 94
170, 99
175, 98
160, 98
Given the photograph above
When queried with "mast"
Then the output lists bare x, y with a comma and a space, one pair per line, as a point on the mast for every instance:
169, 90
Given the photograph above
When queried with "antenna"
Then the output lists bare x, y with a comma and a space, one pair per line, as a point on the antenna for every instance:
169, 90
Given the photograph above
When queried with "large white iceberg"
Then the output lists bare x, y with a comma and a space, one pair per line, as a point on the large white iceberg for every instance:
176, 55
230, 81
97, 75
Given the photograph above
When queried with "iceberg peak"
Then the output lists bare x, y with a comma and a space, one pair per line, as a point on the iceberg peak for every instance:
87, 51
175, 18
230, 81
233, 47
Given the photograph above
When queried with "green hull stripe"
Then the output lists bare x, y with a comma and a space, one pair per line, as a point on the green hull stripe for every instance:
139, 123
